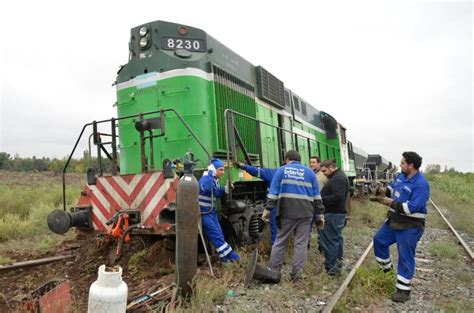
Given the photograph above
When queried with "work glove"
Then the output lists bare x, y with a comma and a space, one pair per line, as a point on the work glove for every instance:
266, 215
381, 191
384, 200
320, 221
226, 187
211, 170
239, 164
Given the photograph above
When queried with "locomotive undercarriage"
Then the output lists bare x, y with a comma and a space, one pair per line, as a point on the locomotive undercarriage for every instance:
241, 218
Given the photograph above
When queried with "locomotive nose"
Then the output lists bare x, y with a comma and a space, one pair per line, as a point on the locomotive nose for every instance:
60, 221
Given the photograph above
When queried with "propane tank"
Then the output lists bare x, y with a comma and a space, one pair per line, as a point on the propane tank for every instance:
108, 293
187, 217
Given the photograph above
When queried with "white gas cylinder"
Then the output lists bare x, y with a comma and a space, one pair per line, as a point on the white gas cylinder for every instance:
108, 293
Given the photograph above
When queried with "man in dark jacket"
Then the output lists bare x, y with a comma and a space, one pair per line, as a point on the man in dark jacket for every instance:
334, 195
294, 193
406, 198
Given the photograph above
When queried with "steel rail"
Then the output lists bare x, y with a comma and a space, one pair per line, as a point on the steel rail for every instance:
335, 297
463, 243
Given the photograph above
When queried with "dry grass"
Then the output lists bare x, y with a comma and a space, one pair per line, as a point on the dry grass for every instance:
25, 201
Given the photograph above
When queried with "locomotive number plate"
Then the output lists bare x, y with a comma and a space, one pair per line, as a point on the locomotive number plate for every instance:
169, 43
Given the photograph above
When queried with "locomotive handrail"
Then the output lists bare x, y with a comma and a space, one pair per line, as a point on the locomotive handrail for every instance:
226, 112
118, 119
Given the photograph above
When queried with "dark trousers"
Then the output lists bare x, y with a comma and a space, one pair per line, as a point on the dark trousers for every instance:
332, 241
289, 226
273, 225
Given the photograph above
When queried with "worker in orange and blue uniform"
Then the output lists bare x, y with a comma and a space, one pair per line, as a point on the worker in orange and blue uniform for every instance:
407, 197
265, 174
209, 192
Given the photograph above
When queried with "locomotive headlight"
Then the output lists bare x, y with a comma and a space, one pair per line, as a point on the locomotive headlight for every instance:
144, 42
143, 31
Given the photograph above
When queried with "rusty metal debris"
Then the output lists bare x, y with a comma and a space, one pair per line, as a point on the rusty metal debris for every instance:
36, 262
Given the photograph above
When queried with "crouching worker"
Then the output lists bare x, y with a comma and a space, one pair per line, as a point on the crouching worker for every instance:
209, 192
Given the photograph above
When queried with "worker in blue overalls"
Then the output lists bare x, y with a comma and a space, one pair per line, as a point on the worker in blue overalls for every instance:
265, 174
407, 197
209, 192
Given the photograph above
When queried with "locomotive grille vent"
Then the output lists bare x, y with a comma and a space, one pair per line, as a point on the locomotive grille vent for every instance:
229, 80
287, 99
270, 88
233, 93
296, 102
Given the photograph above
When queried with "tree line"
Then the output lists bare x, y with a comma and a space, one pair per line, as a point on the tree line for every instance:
16, 163
436, 169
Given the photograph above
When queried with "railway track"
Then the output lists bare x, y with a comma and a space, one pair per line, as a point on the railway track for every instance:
327, 300
459, 238
337, 295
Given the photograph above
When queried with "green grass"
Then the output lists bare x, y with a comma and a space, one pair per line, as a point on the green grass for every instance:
445, 250
368, 286
26, 199
455, 193
137, 263
5, 260
459, 213
460, 185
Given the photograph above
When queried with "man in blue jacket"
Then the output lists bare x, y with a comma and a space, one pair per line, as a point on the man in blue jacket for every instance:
294, 194
209, 192
265, 174
406, 196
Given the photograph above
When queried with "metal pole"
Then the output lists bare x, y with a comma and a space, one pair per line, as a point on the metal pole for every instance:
205, 249
67, 164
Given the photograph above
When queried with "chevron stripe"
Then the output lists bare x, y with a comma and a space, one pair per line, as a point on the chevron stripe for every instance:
135, 191
146, 189
169, 196
128, 187
98, 224
100, 206
148, 193
154, 201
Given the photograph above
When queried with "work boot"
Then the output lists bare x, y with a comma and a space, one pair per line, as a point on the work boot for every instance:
334, 271
387, 270
401, 296
295, 278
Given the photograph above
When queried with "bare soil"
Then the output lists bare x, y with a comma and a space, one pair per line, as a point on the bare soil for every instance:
91, 252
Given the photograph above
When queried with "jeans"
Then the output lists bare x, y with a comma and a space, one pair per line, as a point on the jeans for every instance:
332, 241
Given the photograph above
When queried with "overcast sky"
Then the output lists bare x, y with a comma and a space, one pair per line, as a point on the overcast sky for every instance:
398, 75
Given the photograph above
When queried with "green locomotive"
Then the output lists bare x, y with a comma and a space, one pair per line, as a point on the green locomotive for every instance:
184, 68
208, 100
